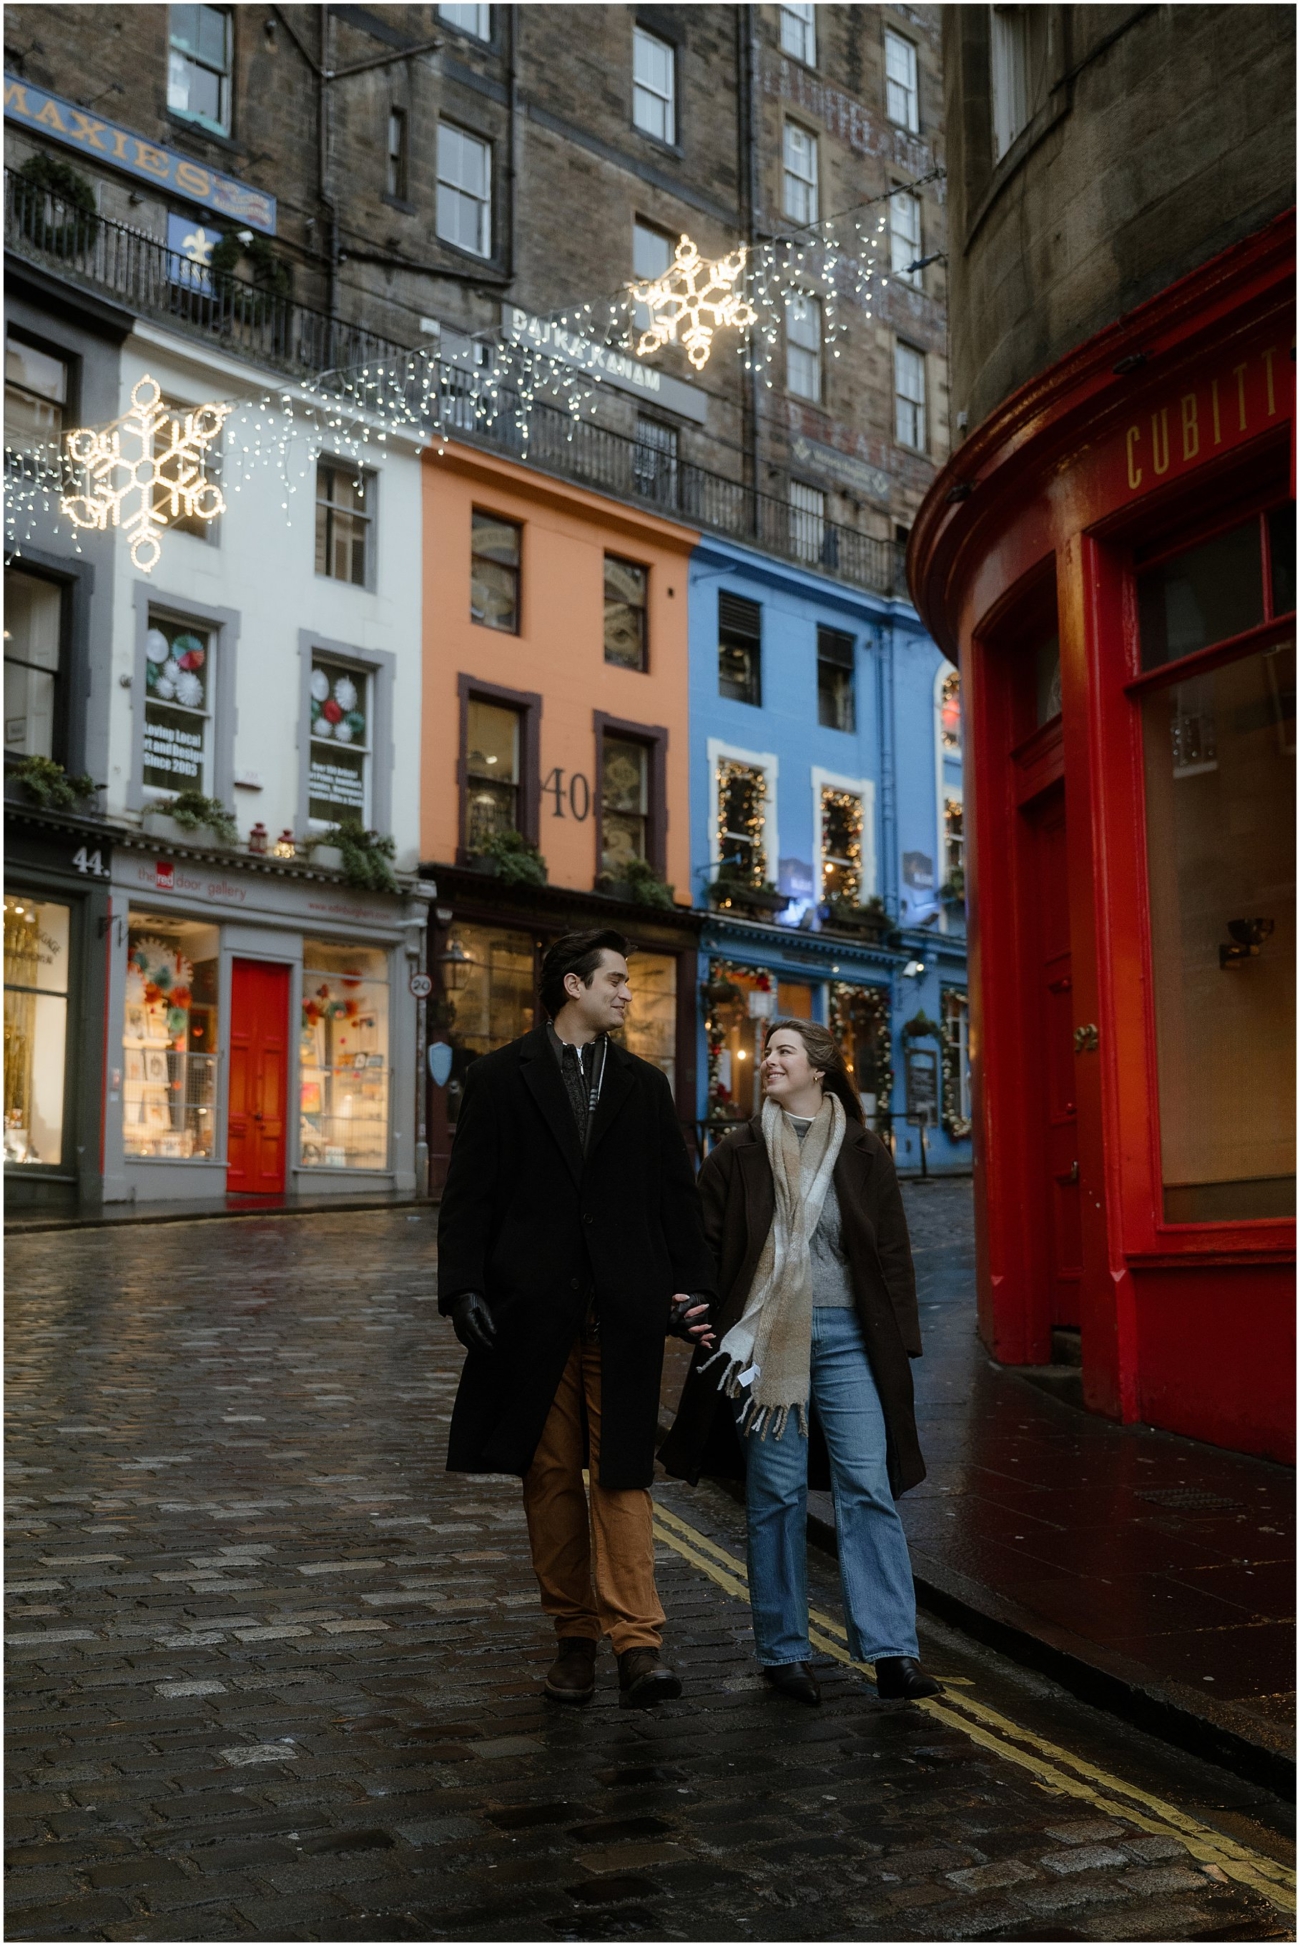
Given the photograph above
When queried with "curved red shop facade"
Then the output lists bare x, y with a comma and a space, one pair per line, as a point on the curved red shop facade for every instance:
1112, 556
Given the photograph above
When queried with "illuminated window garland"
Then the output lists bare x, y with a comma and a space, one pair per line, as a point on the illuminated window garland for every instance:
742, 823
841, 846
950, 715
956, 1111
861, 1022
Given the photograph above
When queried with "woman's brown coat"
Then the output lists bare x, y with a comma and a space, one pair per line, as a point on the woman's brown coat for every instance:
736, 1191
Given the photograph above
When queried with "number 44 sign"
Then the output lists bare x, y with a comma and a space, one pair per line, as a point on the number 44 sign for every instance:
89, 864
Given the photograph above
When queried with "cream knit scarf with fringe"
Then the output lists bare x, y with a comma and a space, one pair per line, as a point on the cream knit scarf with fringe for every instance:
768, 1352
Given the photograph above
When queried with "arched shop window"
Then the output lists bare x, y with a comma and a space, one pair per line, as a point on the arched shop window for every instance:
860, 1021
1216, 690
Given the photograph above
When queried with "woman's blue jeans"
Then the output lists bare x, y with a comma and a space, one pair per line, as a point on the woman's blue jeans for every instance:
875, 1571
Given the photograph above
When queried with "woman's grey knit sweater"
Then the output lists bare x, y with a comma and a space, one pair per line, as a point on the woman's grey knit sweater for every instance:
831, 1283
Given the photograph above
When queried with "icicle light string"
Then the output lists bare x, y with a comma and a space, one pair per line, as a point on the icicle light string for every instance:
351, 410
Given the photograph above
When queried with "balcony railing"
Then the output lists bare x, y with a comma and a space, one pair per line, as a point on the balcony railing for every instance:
272, 330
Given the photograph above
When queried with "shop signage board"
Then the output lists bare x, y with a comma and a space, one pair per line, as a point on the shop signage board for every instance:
604, 362
76, 128
921, 1066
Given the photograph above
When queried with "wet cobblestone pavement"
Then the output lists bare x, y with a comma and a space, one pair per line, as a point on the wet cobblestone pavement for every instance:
274, 1674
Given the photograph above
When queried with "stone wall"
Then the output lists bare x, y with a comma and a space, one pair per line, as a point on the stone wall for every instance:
1157, 136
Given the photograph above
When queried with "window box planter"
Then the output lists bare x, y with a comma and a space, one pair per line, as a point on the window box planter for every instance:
158, 824
746, 898
327, 858
489, 867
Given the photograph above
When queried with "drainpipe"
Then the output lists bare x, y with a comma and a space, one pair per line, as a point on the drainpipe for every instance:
888, 790
514, 15
747, 55
323, 132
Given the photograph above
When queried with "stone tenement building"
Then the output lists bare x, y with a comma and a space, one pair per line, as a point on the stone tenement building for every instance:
438, 167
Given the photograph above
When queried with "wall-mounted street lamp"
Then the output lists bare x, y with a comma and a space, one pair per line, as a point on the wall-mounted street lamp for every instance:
455, 962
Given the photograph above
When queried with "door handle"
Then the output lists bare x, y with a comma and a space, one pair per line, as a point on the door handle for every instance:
1070, 1175
258, 1116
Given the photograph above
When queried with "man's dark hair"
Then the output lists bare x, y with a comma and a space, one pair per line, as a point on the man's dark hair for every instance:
577, 952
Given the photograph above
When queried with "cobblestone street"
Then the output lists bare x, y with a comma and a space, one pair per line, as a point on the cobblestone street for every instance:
274, 1674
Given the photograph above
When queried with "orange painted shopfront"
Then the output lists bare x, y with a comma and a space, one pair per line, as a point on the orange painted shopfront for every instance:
555, 716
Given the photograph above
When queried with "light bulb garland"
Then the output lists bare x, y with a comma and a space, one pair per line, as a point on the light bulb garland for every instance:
416, 396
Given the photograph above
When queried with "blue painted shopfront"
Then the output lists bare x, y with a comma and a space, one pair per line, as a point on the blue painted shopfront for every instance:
826, 840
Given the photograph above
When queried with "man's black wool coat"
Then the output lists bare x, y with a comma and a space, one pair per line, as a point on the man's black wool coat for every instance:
538, 1229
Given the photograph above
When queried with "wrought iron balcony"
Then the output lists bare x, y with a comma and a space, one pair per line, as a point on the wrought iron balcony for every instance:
274, 332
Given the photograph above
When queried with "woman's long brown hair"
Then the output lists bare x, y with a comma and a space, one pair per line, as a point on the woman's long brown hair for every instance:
826, 1055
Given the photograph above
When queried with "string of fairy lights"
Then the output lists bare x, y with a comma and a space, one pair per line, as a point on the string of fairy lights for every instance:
743, 301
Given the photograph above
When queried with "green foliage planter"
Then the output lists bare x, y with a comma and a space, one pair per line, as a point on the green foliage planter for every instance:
640, 884
516, 858
48, 784
366, 856
921, 1027
45, 176
192, 811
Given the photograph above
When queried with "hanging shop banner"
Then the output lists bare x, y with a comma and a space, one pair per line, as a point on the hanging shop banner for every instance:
604, 362
62, 121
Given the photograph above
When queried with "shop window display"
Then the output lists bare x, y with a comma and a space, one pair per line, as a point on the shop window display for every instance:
861, 1024
493, 1004
343, 1057
651, 1029
36, 1028
739, 1004
169, 1040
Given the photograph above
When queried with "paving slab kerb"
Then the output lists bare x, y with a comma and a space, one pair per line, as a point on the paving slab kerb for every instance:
273, 1673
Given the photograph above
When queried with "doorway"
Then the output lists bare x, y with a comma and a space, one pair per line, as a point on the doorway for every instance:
1049, 992
259, 1078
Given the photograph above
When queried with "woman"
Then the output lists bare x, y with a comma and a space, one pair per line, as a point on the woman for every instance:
817, 1312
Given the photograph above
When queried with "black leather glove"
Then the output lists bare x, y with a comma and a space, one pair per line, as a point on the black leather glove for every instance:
473, 1323
689, 1319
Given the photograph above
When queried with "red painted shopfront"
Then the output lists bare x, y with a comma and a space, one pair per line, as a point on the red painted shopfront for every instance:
1112, 554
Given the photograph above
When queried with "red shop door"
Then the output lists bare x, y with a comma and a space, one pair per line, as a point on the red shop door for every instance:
259, 1078
1055, 1113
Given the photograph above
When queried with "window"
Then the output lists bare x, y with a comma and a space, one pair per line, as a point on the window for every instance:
736, 1028
494, 572
625, 803
836, 703
651, 1027
954, 844
955, 1015
177, 706
343, 1057
803, 346
905, 237
740, 649
36, 394
37, 938
493, 1002
475, 20
169, 1039
950, 715
799, 32
654, 85
652, 252
339, 773
33, 644
199, 63
654, 462
902, 102
1009, 68
1219, 759
742, 821
464, 190
343, 518
909, 397
799, 191
625, 613
807, 521
841, 846
860, 1018
165, 499
397, 158
491, 772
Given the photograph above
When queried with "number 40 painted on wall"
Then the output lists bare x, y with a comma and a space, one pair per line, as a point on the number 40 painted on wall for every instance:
578, 794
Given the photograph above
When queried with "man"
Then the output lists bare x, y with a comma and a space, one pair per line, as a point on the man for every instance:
569, 1242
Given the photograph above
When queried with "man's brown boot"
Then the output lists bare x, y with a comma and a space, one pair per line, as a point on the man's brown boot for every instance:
644, 1680
571, 1678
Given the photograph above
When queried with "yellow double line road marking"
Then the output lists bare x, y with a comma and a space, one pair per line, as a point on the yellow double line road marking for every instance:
1053, 1768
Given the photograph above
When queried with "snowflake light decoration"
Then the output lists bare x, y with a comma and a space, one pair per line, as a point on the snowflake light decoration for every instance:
695, 297
159, 478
